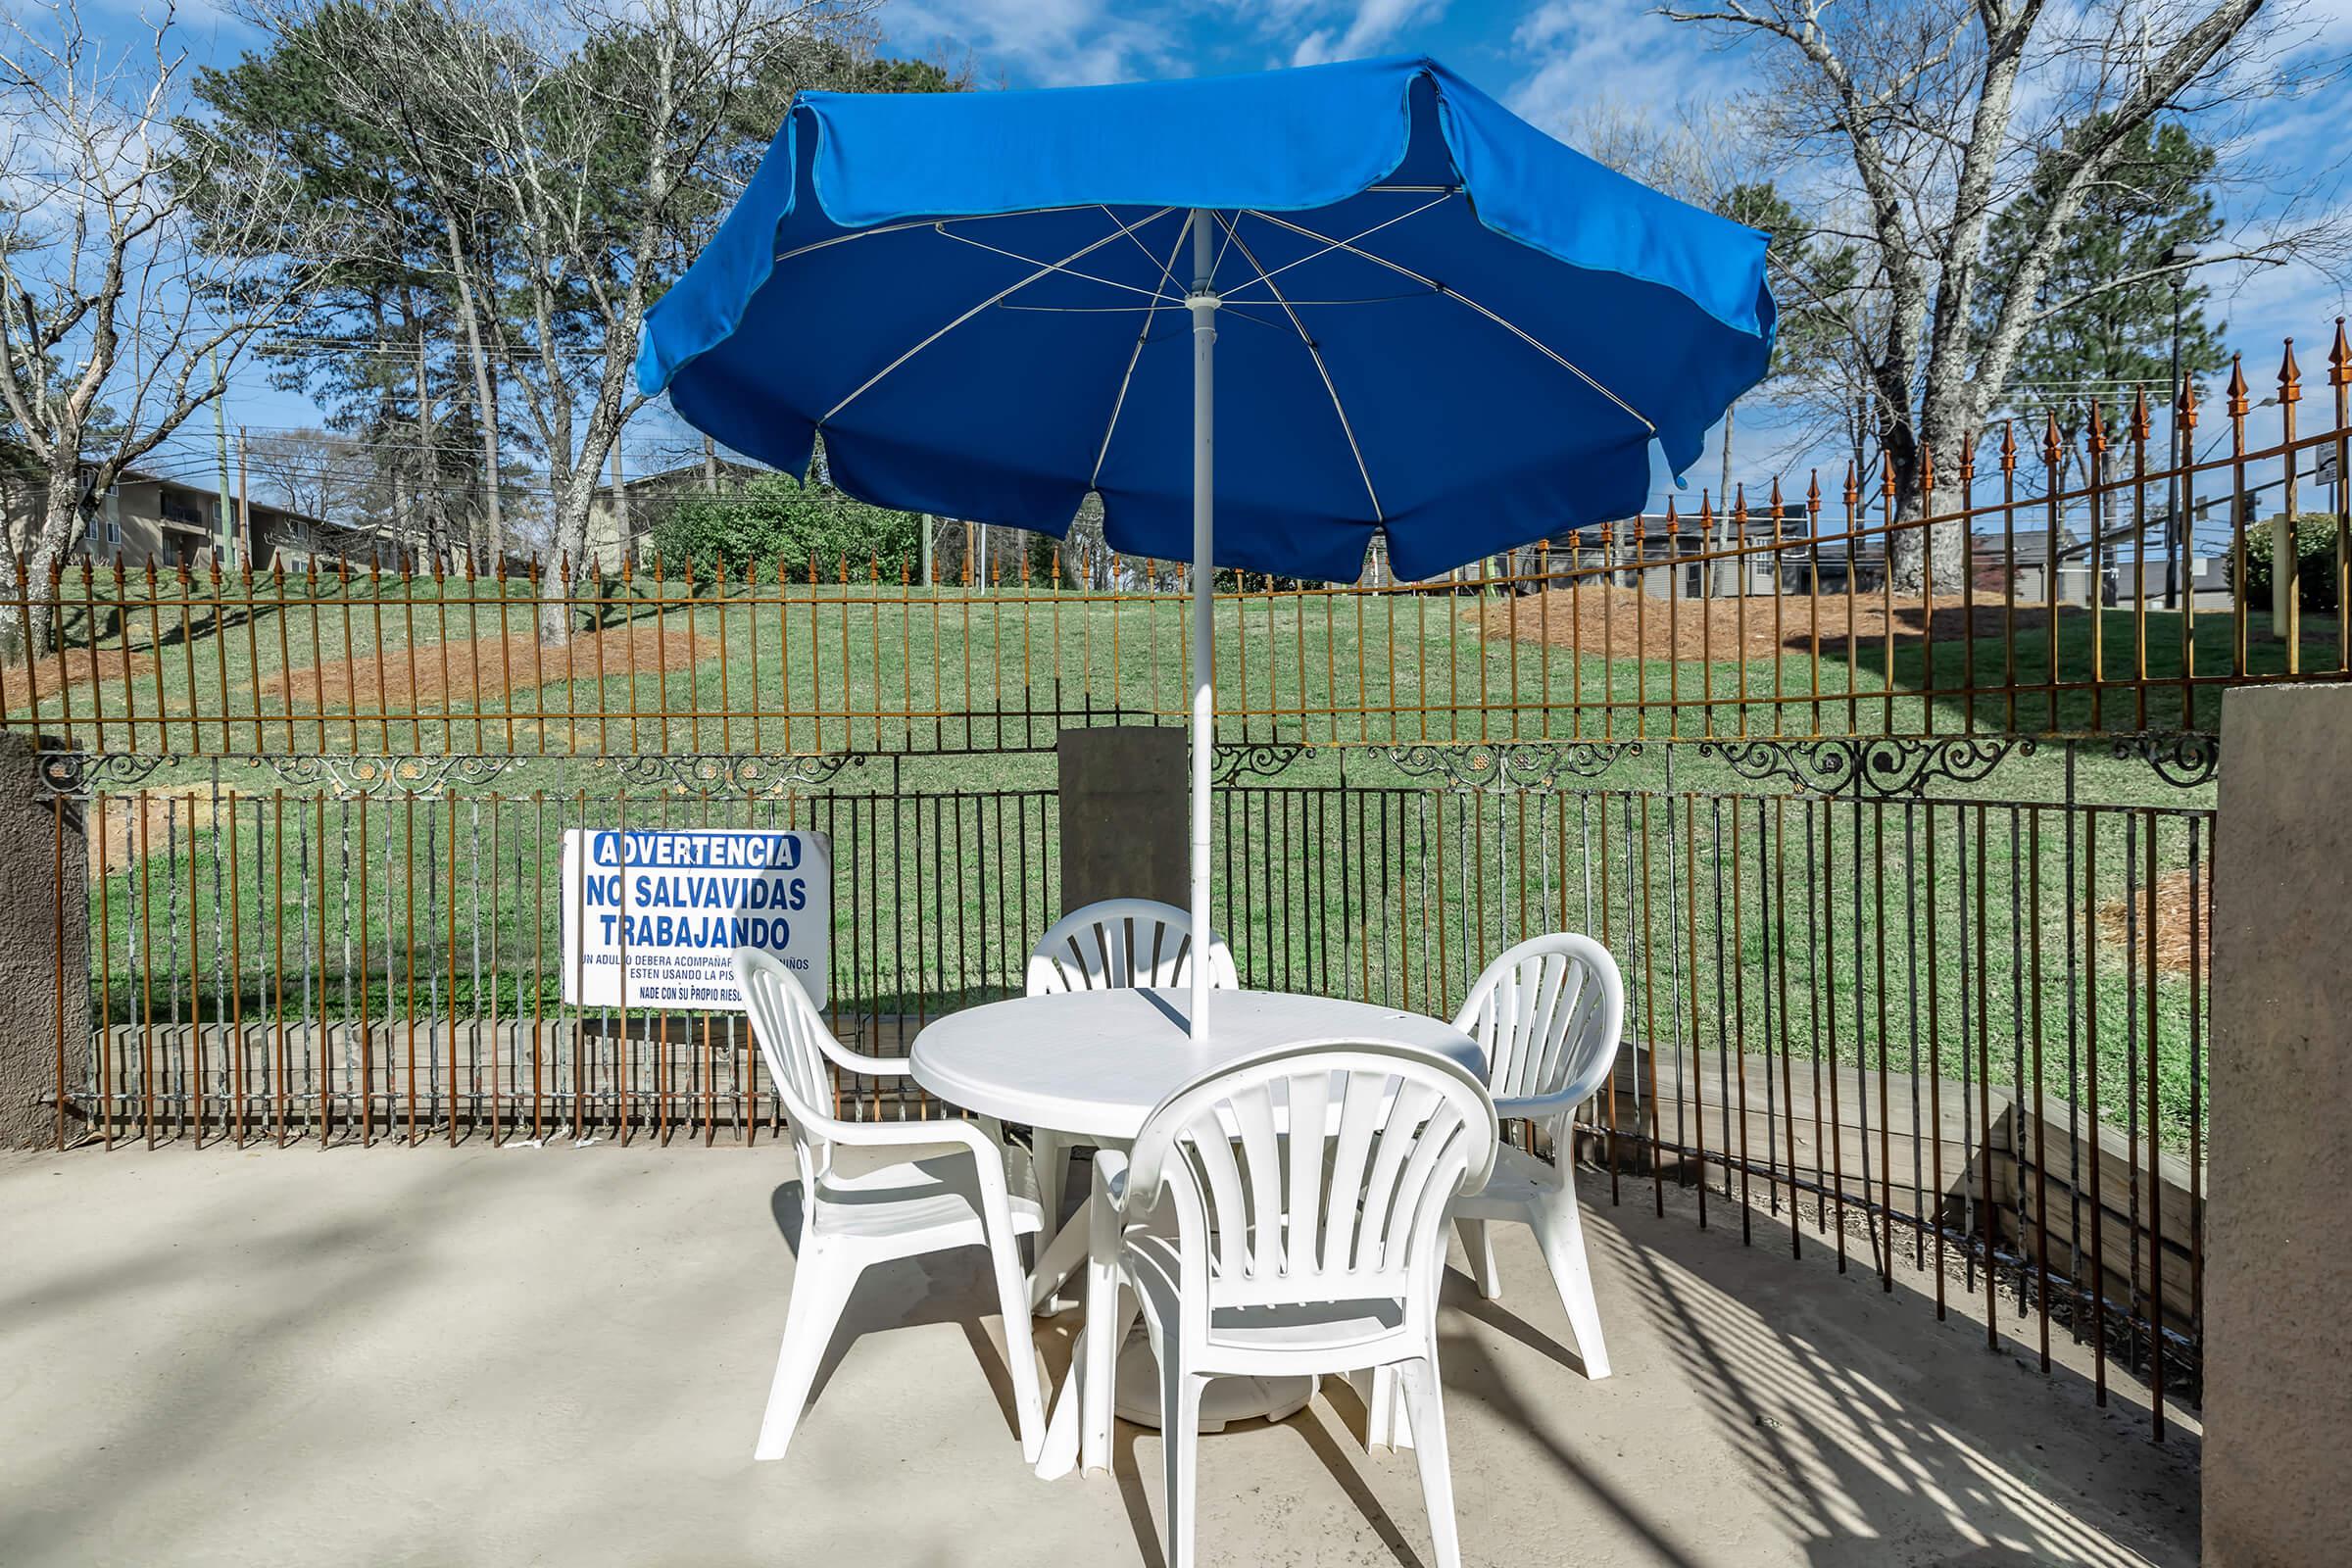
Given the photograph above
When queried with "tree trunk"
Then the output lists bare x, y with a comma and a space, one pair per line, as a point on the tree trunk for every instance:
570, 570
1940, 549
556, 611
29, 617
485, 394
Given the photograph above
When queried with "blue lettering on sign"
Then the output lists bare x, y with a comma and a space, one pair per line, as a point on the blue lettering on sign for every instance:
690, 931
743, 852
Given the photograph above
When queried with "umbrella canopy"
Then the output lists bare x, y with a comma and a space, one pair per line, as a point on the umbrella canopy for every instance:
1432, 321
1435, 319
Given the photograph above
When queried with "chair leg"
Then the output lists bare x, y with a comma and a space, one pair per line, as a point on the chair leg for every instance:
1109, 1312
1020, 1346
1560, 1230
1479, 1247
1050, 1167
1179, 1446
821, 1283
1386, 1423
1426, 1411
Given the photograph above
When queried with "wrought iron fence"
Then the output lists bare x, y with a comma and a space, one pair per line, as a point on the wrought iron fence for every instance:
1774, 617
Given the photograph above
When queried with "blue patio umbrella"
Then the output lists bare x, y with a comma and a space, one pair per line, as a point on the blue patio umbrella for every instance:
1266, 318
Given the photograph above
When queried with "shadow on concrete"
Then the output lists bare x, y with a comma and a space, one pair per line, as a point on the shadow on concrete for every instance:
1866, 1424
939, 1287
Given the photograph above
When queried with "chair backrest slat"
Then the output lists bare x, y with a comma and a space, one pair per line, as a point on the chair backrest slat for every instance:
1548, 1012
1317, 1172
1119, 943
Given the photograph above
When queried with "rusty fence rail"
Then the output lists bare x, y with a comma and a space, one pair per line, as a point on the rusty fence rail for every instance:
1786, 612
1950, 1026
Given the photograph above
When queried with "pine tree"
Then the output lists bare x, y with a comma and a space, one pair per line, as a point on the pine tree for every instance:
2106, 327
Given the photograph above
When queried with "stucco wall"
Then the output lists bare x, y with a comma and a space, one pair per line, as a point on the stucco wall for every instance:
30, 992
2277, 1466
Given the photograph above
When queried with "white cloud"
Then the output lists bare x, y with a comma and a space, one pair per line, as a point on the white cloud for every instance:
1046, 42
1589, 53
1371, 28
1063, 42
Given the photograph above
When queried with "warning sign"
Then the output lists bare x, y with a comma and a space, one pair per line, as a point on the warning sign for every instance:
662, 910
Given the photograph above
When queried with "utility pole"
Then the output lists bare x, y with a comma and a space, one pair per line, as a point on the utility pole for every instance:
1722, 579
929, 523
224, 548
1854, 545
244, 507
2177, 257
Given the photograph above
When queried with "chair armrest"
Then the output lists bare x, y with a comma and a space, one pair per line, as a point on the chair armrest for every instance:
1540, 1108
850, 1060
945, 1130
986, 1152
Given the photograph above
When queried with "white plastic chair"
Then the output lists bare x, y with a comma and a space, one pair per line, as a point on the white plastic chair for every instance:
1117, 942
1549, 1013
944, 1189
1284, 1216
1111, 945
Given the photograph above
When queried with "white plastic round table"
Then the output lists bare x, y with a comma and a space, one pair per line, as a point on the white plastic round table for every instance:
1092, 1064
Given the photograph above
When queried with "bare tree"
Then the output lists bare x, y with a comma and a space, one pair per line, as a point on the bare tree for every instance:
313, 473
137, 259
577, 152
1936, 112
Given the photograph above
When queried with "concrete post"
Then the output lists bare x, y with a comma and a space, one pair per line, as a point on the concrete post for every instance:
2279, 1224
1123, 815
41, 897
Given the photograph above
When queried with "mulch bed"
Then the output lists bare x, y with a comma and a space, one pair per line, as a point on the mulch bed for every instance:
468, 672
1626, 624
54, 672
119, 831
2174, 953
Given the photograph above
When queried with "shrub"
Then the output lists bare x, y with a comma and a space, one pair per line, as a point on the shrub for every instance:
773, 519
2314, 562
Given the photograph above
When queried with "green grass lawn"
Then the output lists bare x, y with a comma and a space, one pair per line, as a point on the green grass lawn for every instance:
882, 669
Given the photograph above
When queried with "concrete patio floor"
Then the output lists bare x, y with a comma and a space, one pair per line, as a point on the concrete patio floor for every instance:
559, 1355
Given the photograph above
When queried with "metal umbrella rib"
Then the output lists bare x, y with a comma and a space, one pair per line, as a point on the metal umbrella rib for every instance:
1435, 287
1322, 370
1044, 271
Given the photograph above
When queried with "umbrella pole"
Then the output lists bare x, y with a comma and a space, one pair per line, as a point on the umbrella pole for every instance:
1203, 305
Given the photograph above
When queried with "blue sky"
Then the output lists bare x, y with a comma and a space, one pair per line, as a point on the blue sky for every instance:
1553, 60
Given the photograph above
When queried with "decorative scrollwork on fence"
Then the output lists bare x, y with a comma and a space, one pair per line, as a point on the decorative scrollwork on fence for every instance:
81, 774
1534, 766
1883, 765
722, 773
1256, 758
2183, 761
346, 778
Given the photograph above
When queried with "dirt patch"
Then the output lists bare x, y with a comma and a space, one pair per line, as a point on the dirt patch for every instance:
433, 675
1628, 624
2174, 951
73, 667
120, 830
